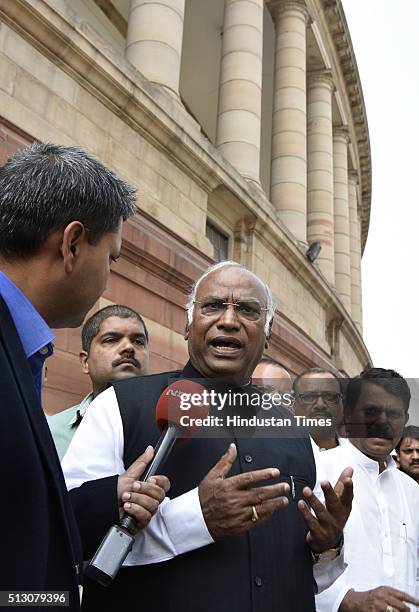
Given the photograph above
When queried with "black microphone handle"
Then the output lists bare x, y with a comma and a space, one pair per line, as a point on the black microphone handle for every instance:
163, 449
119, 539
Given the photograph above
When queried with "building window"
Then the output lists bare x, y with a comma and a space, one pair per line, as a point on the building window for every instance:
219, 241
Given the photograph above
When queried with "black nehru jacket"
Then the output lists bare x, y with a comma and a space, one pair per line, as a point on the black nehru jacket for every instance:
267, 569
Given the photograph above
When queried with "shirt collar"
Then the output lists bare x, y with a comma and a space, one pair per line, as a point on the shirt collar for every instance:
81, 410
33, 332
370, 464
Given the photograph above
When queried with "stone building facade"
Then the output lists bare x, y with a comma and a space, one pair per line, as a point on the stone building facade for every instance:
243, 125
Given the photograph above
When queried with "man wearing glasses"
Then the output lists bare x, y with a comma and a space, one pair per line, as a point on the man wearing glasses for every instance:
318, 406
253, 539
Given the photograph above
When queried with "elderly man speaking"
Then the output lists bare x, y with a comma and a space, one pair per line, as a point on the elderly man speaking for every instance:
254, 547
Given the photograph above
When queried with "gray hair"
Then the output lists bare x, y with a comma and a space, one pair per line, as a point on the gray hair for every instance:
190, 304
44, 187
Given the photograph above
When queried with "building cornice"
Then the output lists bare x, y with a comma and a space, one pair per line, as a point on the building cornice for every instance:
338, 28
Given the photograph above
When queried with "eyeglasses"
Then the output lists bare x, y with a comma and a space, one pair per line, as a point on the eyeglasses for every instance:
248, 310
330, 399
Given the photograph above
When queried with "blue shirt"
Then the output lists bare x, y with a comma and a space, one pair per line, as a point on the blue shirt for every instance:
34, 333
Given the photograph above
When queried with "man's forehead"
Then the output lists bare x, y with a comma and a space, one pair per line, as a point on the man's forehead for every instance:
409, 442
270, 370
233, 279
117, 324
373, 392
320, 380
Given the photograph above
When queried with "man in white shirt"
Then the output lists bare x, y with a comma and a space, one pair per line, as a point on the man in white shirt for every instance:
382, 532
114, 347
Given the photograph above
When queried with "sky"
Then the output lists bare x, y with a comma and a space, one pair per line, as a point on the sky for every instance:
385, 37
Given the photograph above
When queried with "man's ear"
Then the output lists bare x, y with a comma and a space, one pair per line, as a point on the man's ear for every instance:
83, 356
74, 235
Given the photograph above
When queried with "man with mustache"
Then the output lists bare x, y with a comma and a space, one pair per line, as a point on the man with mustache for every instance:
318, 397
114, 347
382, 533
254, 540
408, 452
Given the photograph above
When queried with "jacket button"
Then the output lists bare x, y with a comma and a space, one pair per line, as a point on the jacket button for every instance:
248, 458
258, 581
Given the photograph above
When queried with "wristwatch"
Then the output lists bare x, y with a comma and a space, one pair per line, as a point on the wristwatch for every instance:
328, 555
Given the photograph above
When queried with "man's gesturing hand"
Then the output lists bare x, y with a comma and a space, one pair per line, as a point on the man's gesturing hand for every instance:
377, 600
141, 499
227, 502
329, 519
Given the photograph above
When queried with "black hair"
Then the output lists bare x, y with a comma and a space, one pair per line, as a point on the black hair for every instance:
44, 187
411, 431
91, 327
390, 380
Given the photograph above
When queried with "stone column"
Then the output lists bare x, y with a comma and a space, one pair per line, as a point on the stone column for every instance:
154, 40
240, 98
289, 127
355, 248
320, 205
341, 216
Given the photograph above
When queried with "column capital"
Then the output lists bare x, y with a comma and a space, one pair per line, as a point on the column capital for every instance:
341, 133
279, 7
353, 176
320, 77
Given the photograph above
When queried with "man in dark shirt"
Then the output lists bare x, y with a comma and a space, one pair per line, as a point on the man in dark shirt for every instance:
61, 214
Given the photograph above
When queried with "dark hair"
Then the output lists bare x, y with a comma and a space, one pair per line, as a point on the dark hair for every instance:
411, 431
312, 371
91, 327
44, 187
389, 380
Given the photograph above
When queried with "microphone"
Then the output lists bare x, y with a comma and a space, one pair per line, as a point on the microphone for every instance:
119, 539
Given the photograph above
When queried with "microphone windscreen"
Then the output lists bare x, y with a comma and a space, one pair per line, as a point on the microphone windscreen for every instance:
180, 398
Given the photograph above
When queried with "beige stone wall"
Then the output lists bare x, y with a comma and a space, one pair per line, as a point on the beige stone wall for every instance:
293, 299
352, 363
92, 20
42, 100
87, 93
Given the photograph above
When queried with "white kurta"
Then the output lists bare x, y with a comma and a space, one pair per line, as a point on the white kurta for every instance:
382, 532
